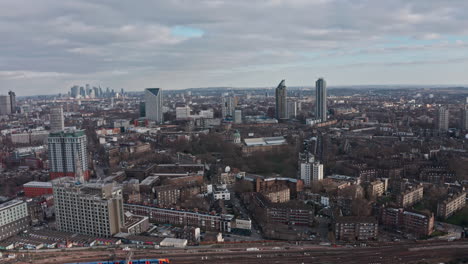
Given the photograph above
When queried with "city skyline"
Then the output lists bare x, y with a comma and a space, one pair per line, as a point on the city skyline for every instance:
180, 45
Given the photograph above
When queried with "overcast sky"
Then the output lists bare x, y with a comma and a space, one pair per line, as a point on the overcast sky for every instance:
46, 46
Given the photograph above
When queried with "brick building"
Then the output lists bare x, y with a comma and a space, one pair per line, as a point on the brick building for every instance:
419, 224
35, 189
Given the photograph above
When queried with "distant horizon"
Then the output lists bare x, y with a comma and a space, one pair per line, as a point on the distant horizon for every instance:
295, 87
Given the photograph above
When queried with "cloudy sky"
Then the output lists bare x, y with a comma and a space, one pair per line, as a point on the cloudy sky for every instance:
47, 46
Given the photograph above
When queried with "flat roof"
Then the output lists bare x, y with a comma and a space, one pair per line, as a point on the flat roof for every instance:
38, 184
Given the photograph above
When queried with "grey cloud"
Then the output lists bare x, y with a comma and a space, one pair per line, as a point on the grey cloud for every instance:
63, 41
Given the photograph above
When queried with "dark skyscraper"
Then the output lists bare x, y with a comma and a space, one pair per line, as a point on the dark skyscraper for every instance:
12, 101
281, 101
321, 100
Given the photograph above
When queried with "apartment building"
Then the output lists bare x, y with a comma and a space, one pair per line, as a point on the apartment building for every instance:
350, 228
416, 223
14, 218
209, 222
410, 196
94, 209
451, 205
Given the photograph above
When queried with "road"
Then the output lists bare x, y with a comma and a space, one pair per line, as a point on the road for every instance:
431, 252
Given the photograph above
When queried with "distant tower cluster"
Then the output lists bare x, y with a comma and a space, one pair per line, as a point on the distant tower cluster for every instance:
281, 101
443, 119
154, 104
321, 100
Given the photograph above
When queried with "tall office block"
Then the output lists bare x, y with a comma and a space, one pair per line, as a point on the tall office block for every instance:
292, 109
281, 101
94, 209
68, 155
56, 119
443, 118
238, 116
154, 104
311, 172
464, 117
12, 101
227, 106
321, 100
5, 105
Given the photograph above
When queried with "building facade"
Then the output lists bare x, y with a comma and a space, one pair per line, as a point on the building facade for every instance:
68, 154
5, 105
409, 197
154, 104
91, 208
14, 218
418, 224
350, 228
281, 101
321, 100
57, 123
451, 205
443, 118
208, 222
35, 189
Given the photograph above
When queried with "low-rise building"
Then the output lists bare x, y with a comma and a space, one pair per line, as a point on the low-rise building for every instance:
419, 224
451, 205
211, 222
35, 188
350, 228
410, 196
277, 193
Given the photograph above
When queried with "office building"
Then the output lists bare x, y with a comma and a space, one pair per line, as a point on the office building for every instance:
227, 106
281, 101
74, 91
464, 117
321, 100
94, 209
68, 154
12, 101
443, 119
14, 218
292, 109
238, 116
5, 105
57, 123
154, 104
183, 113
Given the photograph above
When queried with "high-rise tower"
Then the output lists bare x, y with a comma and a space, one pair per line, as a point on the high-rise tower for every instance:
281, 101
321, 100
56, 119
67, 150
154, 104
443, 119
